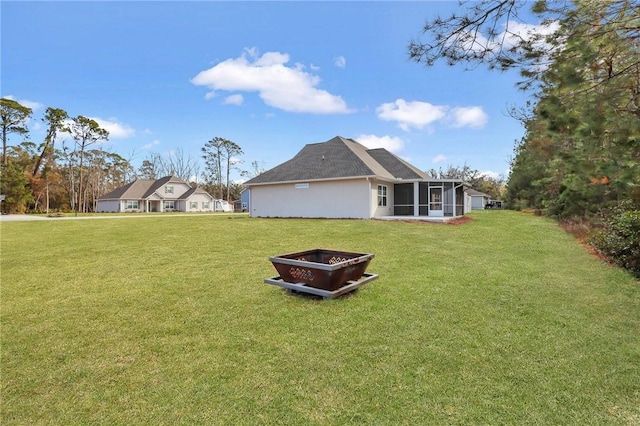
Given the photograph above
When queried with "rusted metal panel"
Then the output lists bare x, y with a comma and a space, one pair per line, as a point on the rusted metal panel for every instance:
321, 268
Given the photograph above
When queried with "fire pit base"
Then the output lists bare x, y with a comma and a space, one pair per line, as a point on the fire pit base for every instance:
326, 294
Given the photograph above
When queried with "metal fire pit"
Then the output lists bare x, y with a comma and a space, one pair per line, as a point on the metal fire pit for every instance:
326, 273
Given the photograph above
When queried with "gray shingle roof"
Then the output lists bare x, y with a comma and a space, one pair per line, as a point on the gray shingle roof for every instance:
472, 191
399, 168
135, 190
339, 158
139, 189
196, 190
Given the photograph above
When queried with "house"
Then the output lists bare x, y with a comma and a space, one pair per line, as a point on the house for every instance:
340, 178
163, 195
245, 197
478, 199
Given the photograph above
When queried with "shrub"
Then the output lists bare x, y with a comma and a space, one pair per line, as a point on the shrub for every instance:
619, 238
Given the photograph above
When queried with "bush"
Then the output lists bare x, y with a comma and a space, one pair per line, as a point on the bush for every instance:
619, 238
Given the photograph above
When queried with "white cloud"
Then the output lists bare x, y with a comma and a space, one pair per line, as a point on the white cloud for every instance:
390, 143
279, 86
513, 33
417, 114
234, 100
150, 145
473, 117
340, 61
439, 159
116, 130
26, 103
410, 114
491, 174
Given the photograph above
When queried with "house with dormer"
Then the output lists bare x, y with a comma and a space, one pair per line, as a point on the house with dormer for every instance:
167, 194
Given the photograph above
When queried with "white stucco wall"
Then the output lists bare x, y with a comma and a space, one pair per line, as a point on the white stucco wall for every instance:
378, 211
330, 199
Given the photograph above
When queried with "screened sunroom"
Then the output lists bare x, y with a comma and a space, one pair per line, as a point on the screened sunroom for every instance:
433, 198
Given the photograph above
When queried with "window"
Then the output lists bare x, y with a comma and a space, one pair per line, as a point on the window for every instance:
169, 205
193, 204
132, 204
302, 186
382, 195
168, 189
205, 205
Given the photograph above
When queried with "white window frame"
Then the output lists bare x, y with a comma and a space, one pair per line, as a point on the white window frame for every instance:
169, 205
205, 205
383, 190
168, 189
133, 205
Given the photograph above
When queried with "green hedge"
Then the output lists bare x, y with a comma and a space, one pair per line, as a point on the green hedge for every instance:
619, 238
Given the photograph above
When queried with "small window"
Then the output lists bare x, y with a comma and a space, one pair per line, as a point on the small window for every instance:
168, 189
205, 205
193, 204
382, 195
302, 185
132, 204
169, 205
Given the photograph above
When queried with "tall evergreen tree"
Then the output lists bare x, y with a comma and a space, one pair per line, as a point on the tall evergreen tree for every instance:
13, 118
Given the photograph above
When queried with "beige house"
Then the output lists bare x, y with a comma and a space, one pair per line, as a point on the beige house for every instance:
167, 194
341, 178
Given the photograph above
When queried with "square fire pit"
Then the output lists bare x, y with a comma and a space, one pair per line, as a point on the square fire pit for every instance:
323, 272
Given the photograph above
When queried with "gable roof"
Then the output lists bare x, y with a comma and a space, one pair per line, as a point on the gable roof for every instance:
141, 189
339, 158
196, 190
473, 192
135, 190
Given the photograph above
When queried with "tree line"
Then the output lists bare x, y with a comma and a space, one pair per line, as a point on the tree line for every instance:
70, 169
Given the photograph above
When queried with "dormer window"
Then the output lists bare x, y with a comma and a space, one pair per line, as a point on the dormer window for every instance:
168, 189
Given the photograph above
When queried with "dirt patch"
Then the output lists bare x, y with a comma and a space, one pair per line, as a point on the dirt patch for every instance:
456, 221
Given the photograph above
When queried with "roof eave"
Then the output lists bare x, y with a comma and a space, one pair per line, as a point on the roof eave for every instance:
314, 180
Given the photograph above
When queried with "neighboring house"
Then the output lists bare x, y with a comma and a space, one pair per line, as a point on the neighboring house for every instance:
245, 197
478, 199
341, 178
163, 195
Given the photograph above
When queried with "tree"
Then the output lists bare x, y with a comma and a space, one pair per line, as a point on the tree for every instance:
13, 117
257, 168
581, 144
492, 32
220, 156
15, 178
85, 131
212, 153
231, 150
494, 187
55, 117
149, 168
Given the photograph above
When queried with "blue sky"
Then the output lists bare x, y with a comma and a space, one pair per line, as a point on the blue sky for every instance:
270, 76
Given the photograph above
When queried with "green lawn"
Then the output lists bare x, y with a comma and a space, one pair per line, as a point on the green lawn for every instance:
166, 320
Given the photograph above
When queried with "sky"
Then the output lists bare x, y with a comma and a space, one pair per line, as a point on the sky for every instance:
165, 77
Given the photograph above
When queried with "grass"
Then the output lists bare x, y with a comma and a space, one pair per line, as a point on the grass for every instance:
166, 320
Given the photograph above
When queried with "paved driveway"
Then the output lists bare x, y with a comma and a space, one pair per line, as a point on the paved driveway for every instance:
29, 217
20, 217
